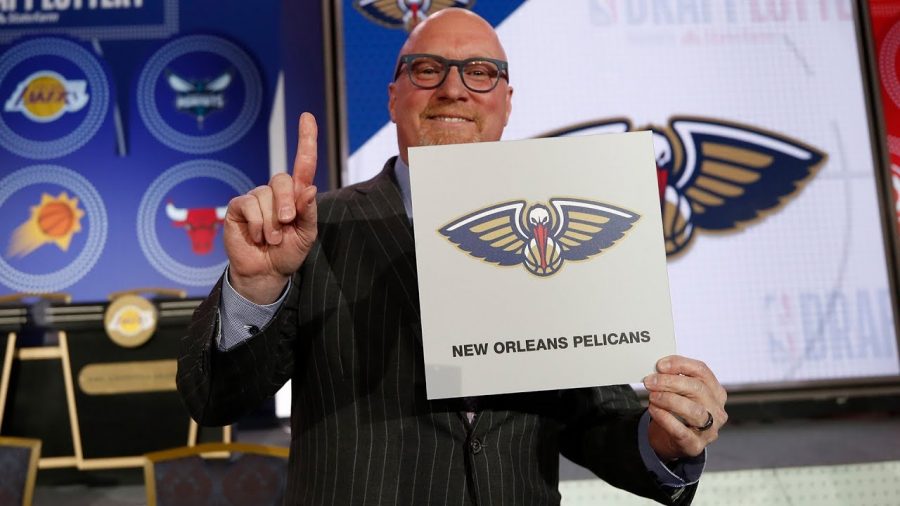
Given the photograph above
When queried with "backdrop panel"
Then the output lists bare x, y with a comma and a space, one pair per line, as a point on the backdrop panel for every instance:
125, 132
776, 258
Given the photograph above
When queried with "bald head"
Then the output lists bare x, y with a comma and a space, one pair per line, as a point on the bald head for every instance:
451, 23
450, 113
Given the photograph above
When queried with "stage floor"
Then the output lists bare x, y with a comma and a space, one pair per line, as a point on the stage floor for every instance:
823, 461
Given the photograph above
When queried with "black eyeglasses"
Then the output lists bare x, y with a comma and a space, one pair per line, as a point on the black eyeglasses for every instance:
428, 71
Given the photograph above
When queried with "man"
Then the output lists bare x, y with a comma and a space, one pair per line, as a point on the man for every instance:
325, 294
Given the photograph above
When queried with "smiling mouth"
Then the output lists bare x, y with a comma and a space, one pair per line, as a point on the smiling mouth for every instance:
449, 119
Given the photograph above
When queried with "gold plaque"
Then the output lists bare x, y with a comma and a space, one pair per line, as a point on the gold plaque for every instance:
128, 377
130, 320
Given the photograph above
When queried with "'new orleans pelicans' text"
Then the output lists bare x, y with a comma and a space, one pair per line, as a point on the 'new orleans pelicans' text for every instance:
551, 343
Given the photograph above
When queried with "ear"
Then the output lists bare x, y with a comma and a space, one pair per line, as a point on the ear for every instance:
509, 94
392, 100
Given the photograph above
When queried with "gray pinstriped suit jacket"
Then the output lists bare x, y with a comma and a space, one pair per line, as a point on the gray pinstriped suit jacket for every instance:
349, 337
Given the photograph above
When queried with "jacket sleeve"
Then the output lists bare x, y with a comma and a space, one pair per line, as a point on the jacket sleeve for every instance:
219, 387
600, 432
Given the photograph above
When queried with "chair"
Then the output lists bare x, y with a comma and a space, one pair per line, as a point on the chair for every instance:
216, 473
18, 469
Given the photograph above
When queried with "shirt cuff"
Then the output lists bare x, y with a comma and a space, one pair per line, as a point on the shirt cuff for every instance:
241, 319
677, 474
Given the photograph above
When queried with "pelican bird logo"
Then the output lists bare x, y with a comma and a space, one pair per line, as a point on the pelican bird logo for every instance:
542, 238
716, 175
405, 13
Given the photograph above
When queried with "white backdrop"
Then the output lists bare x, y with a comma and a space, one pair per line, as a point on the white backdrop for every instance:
800, 294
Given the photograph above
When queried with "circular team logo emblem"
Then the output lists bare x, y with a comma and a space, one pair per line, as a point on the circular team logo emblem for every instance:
54, 228
180, 220
199, 94
55, 96
130, 321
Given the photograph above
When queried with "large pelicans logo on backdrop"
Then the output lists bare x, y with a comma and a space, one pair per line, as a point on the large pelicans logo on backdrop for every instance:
542, 238
405, 13
55, 97
717, 176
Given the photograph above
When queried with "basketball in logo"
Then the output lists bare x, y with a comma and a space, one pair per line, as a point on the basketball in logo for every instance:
549, 264
677, 226
56, 219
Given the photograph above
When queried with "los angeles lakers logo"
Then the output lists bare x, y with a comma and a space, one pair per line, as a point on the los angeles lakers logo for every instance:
542, 237
45, 96
405, 13
54, 97
130, 321
718, 176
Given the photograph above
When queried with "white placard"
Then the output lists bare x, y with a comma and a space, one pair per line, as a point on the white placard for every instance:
501, 314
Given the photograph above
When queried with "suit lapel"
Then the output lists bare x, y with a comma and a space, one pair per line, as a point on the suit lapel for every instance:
387, 226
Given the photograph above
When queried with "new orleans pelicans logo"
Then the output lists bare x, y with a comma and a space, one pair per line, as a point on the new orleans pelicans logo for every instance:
718, 176
45, 96
405, 13
199, 98
542, 238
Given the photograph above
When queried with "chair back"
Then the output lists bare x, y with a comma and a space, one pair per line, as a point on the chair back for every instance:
216, 474
18, 469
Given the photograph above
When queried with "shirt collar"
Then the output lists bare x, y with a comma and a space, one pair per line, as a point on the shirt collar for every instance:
401, 172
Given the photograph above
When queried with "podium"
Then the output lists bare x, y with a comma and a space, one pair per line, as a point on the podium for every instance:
108, 371
32, 384
8, 318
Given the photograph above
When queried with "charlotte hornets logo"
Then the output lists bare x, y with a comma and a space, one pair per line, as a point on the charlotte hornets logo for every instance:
405, 13
543, 237
718, 176
199, 94
199, 97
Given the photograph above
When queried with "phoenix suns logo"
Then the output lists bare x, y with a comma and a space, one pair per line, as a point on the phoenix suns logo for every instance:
717, 176
543, 237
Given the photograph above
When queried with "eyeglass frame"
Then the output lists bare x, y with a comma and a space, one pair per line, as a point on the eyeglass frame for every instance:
406, 59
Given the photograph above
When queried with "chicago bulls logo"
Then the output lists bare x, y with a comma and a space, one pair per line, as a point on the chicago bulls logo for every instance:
201, 224
170, 204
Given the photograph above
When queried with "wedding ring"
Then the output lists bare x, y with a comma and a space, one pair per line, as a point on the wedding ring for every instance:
707, 425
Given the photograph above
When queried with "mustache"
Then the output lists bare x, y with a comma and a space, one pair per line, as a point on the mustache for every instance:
450, 111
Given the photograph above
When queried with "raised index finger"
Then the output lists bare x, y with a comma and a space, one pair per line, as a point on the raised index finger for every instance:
307, 152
